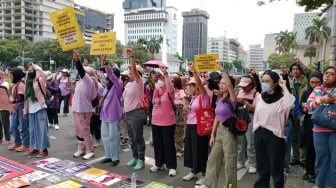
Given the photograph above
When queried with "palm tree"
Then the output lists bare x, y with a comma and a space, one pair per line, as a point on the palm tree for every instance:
318, 32
286, 41
310, 52
153, 45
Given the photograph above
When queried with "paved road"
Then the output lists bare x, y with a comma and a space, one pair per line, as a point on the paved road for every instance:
63, 145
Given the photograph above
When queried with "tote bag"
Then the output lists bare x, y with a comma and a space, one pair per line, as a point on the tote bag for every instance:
205, 118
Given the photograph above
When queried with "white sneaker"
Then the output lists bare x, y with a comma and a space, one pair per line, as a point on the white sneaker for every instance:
78, 154
96, 143
178, 154
240, 166
172, 172
252, 170
56, 127
200, 180
88, 156
189, 176
156, 168
50, 125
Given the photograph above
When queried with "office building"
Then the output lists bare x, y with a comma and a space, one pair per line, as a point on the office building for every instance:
93, 21
219, 46
301, 22
139, 4
151, 23
195, 33
270, 44
29, 19
255, 57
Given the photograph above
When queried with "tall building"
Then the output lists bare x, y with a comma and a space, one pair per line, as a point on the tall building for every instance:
301, 22
255, 57
138, 4
195, 33
270, 44
219, 46
29, 19
234, 46
151, 23
93, 21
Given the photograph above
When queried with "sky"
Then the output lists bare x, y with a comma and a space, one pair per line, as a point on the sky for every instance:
239, 19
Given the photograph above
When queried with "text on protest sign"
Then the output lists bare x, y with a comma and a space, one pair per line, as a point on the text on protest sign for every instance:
67, 28
103, 43
206, 62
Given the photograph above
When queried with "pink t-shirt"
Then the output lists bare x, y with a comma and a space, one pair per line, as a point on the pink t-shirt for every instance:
194, 105
64, 85
180, 96
163, 113
133, 95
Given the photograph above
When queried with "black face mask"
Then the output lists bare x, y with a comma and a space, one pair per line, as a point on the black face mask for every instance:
32, 74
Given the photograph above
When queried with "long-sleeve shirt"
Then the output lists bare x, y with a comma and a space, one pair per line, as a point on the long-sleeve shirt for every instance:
111, 109
312, 103
273, 116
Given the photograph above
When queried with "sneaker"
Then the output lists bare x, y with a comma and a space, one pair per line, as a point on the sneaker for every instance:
21, 148
200, 180
6, 142
172, 173
156, 168
13, 147
240, 166
50, 125
78, 153
203, 186
189, 176
132, 162
96, 143
56, 127
178, 154
139, 165
88, 156
252, 170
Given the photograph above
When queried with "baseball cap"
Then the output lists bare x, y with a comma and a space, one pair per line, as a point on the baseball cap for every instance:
244, 81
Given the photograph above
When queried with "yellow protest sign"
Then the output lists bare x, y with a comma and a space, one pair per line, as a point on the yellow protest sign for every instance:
67, 29
206, 62
103, 43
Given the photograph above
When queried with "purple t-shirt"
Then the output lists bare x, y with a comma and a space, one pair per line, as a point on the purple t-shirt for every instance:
85, 91
223, 111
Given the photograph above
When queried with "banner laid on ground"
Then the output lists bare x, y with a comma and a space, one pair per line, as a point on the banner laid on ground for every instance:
103, 43
67, 29
10, 169
206, 62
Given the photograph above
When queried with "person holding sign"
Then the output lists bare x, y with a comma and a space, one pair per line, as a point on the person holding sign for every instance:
36, 109
85, 92
17, 95
135, 114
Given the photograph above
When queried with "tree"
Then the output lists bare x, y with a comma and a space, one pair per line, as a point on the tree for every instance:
308, 4
238, 64
140, 52
318, 32
286, 41
310, 52
153, 45
181, 61
275, 60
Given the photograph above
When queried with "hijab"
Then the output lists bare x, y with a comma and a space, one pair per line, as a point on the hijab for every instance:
277, 94
18, 74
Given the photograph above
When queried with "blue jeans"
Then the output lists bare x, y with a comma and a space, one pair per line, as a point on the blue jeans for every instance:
110, 135
325, 167
288, 134
39, 135
20, 137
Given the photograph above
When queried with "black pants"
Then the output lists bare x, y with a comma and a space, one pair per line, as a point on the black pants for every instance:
270, 154
309, 141
164, 146
65, 105
4, 124
95, 125
52, 115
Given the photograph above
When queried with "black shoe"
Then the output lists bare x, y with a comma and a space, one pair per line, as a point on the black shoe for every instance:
115, 163
106, 160
295, 162
305, 176
311, 178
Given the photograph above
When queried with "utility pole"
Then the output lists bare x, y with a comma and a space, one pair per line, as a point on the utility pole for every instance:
333, 36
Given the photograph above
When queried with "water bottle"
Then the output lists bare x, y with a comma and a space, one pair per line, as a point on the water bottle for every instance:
133, 180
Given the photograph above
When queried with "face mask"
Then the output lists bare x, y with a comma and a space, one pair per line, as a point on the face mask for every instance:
159, 84
265, 87
32, 74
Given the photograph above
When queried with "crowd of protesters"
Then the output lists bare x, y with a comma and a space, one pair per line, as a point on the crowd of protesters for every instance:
280, 132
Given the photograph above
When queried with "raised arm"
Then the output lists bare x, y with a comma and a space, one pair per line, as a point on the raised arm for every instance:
79, 65
229, 85
198, 80
135, 74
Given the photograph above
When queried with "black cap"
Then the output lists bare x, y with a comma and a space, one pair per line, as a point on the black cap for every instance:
215, 75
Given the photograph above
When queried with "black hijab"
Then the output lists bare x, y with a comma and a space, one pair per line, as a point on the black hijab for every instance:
277, 94
18, 74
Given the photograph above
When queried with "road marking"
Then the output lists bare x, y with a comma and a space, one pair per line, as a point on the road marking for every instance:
241, 173
95, 160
